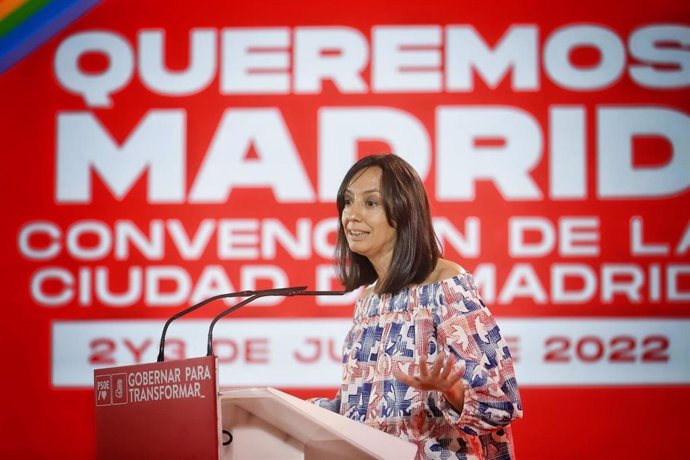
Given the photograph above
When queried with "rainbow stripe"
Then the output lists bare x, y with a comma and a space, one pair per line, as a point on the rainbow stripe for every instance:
27, 24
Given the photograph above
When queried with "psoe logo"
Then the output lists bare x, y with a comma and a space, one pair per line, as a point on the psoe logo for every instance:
104, 390
119, 382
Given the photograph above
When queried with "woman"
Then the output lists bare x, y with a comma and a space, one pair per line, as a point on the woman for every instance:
424, 359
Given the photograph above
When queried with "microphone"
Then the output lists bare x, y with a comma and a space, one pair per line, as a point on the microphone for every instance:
260, 293
287, 292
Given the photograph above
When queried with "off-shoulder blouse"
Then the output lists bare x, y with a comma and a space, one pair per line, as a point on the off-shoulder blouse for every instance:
396, 330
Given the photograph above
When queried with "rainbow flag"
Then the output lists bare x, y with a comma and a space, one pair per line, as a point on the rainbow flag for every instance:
27, 24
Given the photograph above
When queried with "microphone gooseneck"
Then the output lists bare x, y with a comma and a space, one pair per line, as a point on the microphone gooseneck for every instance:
288, 292
251, 296
246, 293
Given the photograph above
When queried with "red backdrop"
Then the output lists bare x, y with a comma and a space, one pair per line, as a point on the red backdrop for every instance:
157, 154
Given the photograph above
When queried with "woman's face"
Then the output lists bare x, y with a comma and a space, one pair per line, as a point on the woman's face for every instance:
364, 218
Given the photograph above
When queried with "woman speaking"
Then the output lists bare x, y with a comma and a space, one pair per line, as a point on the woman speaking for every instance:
424, 359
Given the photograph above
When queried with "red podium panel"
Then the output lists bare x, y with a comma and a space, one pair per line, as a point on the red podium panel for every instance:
158, 410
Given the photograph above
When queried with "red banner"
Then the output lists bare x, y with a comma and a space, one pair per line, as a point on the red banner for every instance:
158, 155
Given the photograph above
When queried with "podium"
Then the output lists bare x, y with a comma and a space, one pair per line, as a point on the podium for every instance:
174, 409
267, 423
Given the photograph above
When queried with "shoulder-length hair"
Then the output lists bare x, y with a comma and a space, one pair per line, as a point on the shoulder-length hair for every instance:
406, 205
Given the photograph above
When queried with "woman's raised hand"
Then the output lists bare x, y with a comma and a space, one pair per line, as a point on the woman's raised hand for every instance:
443, 376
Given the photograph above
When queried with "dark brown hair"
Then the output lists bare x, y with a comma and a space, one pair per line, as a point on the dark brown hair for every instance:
416, 250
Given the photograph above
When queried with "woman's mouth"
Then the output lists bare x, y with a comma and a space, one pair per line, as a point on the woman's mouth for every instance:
357, 234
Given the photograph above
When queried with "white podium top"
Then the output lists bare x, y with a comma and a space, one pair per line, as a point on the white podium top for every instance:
322, 433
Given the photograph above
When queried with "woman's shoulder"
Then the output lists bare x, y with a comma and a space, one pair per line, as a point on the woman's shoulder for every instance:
452, 290
368, 291
444, 269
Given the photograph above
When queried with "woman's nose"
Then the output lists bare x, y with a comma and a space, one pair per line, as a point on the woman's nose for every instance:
352, 213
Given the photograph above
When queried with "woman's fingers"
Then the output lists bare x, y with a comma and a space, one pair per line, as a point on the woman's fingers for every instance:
403, 377
423, 369
457, 373
442, 375
439, 363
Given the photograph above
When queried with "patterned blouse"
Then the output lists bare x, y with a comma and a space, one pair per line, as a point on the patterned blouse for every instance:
392, 330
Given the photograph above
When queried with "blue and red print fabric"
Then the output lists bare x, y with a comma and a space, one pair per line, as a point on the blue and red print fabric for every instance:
397, 330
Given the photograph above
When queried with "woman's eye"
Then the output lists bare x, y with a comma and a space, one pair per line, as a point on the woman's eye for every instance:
347, 201
371, 203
